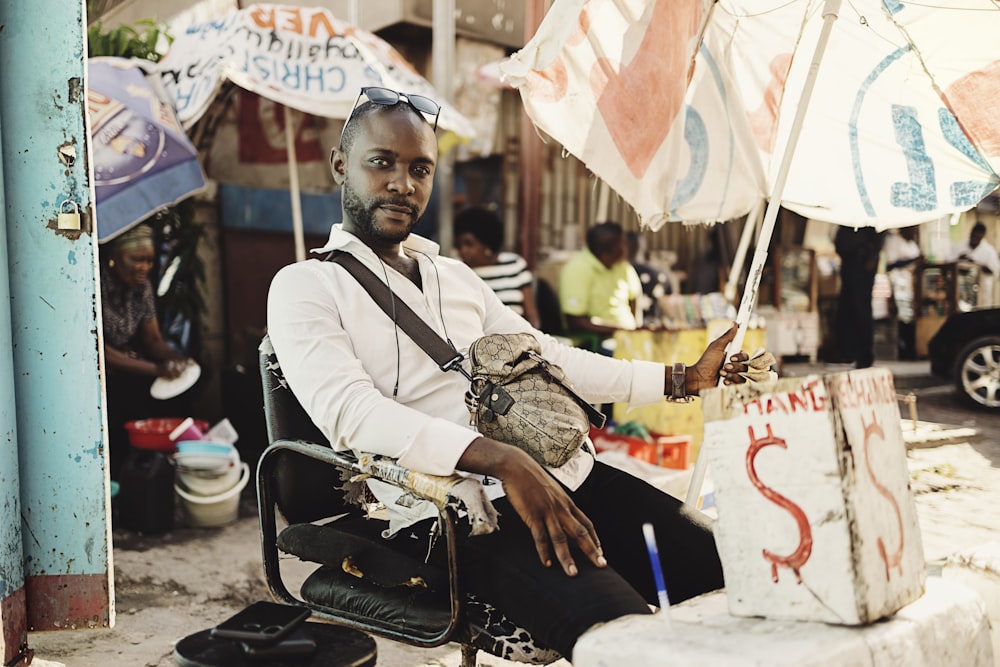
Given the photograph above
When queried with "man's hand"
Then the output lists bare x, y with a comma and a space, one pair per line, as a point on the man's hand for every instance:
555, 522
709, 368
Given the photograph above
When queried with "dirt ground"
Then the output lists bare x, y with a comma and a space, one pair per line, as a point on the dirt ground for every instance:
167, 587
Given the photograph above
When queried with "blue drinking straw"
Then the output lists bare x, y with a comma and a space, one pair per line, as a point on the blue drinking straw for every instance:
654, 560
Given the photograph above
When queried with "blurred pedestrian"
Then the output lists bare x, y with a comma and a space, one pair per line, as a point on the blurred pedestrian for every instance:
478, 240
655, 283
598, 288
709, 271
902, 257
978, 250
859, 254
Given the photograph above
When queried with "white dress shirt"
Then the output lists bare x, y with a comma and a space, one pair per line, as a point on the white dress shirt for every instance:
985, 255
369, 388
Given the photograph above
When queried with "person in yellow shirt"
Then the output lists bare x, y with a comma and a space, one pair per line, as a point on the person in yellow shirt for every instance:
598, 287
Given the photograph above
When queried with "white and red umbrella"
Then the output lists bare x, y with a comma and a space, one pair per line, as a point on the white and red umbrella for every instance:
304, 58
687, 108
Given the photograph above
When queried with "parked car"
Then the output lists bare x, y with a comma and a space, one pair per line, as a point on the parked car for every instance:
967, 349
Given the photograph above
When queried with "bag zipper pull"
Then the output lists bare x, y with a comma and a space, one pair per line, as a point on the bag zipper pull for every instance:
472, 403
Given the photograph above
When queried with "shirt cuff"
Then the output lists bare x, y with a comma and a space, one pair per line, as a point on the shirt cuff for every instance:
648, 381
437, 448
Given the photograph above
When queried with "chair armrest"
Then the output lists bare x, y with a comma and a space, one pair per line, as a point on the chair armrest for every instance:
456, 491
348, 463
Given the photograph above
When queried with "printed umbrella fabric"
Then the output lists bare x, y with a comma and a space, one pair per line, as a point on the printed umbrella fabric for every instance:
303, 57
898, 129
143, 161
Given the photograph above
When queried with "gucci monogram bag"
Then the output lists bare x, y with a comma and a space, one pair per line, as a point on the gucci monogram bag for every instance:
518, 397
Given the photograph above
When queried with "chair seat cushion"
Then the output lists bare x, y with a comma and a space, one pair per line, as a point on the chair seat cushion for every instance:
396, 589
412, 608
357, 545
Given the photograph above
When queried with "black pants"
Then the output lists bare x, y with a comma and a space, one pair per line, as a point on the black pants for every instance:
855, 323
503, 568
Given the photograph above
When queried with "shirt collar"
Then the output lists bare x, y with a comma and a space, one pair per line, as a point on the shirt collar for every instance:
340, 239
593, 261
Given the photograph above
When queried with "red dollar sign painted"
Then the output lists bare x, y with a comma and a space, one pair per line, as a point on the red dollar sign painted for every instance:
895, 559
795, 560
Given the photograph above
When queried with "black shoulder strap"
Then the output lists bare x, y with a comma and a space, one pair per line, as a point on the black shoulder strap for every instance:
443, 353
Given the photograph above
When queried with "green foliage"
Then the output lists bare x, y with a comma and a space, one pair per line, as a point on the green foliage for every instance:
125, 41
634, 429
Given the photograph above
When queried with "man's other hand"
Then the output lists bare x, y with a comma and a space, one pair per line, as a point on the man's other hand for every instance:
557, 525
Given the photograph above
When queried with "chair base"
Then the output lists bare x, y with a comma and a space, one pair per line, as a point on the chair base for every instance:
336, 646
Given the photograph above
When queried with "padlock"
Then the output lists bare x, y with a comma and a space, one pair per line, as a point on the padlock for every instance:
69, 220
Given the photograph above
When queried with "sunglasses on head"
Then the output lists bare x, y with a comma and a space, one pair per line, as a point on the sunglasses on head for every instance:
427, 107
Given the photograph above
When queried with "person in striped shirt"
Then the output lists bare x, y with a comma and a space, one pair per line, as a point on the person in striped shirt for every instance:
478, 238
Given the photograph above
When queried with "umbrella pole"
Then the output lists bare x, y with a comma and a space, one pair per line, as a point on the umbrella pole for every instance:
293, 187
830, 12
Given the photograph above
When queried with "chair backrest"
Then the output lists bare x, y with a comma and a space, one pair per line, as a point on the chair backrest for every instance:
305, 490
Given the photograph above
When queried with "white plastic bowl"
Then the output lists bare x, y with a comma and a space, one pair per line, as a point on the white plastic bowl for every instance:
215, 510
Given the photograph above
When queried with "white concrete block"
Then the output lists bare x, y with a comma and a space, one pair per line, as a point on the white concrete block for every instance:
979, 569
816, 518
946, 626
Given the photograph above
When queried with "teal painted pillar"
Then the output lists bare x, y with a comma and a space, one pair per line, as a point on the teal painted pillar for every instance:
13, 637
54, 316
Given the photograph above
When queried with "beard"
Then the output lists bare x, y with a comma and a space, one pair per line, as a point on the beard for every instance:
361, 212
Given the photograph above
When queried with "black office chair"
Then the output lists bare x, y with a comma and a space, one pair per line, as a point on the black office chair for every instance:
359, 581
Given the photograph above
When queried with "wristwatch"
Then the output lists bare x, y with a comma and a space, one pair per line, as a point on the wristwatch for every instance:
678, 384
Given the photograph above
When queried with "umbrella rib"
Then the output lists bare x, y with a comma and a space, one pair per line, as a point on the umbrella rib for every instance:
701, 38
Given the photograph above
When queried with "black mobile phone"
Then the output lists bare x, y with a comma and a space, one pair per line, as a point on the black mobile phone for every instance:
297, 645
262, 623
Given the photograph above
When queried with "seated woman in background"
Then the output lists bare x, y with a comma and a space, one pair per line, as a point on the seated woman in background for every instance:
135, 352
478, 239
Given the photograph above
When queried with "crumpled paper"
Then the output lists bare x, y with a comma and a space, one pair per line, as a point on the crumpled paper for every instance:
759, 367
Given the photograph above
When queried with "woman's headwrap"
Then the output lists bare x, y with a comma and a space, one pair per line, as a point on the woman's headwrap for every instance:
140, 236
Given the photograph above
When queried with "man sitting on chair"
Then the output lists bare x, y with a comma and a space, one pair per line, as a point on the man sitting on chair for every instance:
570, 551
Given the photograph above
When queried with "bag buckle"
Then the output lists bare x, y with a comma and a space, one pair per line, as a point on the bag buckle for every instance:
455, 364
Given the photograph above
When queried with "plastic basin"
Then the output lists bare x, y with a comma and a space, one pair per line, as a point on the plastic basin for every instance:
154, 433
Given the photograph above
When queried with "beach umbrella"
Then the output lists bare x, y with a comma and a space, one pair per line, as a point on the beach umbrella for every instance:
305, 58
871, 113
688, 108
143, 160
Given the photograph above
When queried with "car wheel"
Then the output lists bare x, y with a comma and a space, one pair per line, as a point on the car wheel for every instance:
977, 373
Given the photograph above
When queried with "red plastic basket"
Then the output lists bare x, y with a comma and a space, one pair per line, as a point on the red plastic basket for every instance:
666, 451
154, 433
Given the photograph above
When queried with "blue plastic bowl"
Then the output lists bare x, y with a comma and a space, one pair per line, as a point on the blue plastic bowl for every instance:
204, 448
